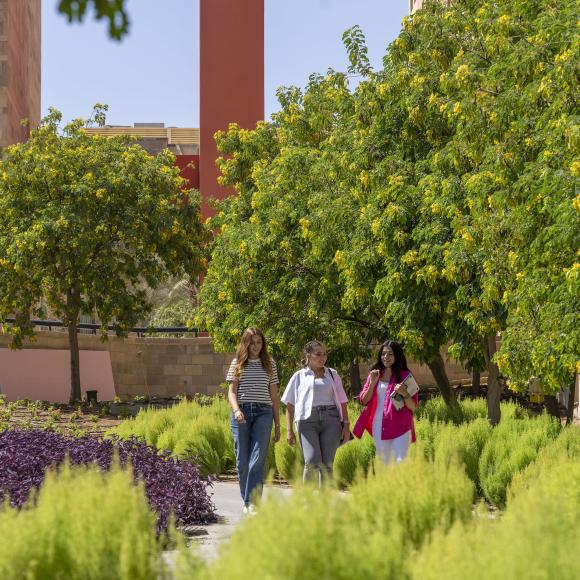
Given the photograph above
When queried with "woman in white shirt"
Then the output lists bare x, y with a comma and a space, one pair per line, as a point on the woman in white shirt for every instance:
316, 401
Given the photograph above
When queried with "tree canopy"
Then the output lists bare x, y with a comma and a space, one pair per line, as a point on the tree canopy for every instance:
434, 202
89, 223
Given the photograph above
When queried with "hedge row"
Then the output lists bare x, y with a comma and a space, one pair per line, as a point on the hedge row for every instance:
367, 533
490, 457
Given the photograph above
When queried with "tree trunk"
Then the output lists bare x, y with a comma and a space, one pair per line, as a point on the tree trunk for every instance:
475, 383
355, 383
75, 370
437, 367
571, 397
494, 389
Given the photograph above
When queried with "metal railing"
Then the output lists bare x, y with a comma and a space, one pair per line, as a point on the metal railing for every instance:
139, 330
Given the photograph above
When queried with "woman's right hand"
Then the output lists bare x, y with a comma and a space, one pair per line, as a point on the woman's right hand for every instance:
374, 377
239, 416
290, 437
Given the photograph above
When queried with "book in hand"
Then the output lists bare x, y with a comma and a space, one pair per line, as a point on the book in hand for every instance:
412, 388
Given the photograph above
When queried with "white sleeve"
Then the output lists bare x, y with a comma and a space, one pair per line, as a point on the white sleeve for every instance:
231, 371
289, 395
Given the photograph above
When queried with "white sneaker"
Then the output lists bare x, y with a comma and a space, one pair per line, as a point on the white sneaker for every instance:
251, 510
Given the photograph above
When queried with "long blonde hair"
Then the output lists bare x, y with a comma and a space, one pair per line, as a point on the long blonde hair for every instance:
242, 355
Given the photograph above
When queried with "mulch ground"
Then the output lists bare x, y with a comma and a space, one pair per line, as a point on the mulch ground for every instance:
65, 419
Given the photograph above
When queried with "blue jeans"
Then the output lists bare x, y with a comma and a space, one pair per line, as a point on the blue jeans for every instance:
251, 443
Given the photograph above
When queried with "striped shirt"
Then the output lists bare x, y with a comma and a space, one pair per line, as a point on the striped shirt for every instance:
254, 382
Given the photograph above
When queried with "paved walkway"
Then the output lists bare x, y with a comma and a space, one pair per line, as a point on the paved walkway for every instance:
229, 507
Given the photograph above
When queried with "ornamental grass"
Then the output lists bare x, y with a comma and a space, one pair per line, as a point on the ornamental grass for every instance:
83, 524
466, 410
189, 430
513, 445
565, 447
463, 444
536, 538
317, 534
354, 460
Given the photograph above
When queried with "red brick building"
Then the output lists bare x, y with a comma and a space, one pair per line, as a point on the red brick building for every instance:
231, 81
19, 68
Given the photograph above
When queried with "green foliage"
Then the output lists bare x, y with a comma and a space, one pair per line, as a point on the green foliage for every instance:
463, 444
354, 460
83, 524
435, 200
565, 447
289, 461
467, 410
427, 432
111, 10
536, 538
188, 429
513, 445
392, 512
178, 313
87, 223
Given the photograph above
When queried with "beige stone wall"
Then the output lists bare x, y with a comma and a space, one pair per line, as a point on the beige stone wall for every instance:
150, 366
174, 366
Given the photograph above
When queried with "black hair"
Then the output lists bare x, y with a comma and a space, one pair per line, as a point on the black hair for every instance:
400, 363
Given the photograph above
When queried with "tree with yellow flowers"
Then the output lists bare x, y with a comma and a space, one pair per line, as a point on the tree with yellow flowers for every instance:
434, 202
87, 223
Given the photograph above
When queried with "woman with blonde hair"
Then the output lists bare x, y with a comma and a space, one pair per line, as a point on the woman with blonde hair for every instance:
253, 396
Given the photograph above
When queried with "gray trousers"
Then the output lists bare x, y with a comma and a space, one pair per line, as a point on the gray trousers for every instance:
319, 437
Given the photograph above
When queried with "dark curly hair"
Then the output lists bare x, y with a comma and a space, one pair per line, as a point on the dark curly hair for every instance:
400, 363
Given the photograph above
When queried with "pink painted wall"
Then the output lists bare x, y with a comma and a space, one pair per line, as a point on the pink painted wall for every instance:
44, 374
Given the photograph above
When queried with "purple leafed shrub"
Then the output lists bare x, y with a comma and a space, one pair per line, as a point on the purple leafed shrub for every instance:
172, 486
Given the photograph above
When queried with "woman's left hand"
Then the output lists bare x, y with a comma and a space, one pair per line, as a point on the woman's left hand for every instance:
345, 433
401, 390
276, 433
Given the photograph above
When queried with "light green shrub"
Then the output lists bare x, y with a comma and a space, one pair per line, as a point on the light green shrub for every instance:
208, 441
513, 445
427, 432
353, 460
325, 534
85, 525
463, 444
188, 429
435, 409
537, 537
289, 461
167, 440
511, 410
416, 493
565, 447
465, 411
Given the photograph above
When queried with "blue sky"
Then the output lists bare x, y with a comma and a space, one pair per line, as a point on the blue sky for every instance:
152, 75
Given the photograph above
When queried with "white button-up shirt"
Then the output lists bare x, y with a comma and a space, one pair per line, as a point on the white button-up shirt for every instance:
300, 389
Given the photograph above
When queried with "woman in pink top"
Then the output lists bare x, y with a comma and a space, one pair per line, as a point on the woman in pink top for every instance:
391, 429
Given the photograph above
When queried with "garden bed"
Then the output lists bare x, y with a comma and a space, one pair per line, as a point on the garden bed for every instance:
90, 419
